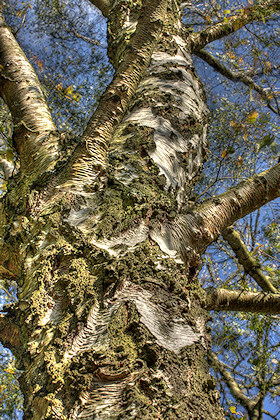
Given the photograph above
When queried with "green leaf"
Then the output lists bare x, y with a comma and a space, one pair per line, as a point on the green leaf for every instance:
265, 141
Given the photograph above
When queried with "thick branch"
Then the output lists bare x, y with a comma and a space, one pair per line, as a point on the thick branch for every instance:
242, 301
21, 90
246, 197
89, 158
197, 227
249, 14
102, 5
251, 266
235, 76
231, 383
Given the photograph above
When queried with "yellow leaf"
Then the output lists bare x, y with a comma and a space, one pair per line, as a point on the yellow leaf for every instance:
224, 153
10, 369
239, 160
268, 66
69, 90
232, 409
252, 118
234, 124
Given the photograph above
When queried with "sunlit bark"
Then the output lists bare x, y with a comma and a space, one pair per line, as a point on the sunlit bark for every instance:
105, 250
250, 13
34, 135
243, 301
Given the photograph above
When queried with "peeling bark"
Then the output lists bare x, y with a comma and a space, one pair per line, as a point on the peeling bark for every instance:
110, 326
131, 60
111, 322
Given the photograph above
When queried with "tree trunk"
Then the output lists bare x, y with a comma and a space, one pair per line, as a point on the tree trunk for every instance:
110, 321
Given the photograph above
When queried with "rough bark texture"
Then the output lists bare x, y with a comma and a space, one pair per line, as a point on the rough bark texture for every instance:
109, 325
110, 317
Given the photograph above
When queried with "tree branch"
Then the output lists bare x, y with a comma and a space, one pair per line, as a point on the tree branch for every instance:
251, 266
231, 383
249, 14
89, 159
102, 5
242, 301
235, 76
198, 226
32, 120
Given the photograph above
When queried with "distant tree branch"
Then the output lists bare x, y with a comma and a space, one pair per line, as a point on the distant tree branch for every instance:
251, 266
231, 24
21, 90
103, 6
243, 301
271, 415
231, 383
236, 76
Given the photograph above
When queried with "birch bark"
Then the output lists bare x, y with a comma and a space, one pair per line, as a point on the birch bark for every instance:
110, 321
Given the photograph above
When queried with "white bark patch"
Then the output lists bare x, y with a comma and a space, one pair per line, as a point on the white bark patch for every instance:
85, 219
126, 174
160, 58
179, 159
165, 241
79, 218
170, 333
104, 396
165, 153
179, 239
101, 402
